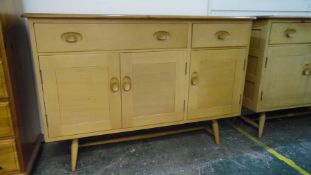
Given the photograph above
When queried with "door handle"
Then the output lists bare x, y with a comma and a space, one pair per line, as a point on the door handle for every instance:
114, 84
194, 79
161, 35
306, 72
71, 37
222, 35
127, 84
290, 33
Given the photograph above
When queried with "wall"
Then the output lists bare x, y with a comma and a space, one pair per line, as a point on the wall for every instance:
172, 7
155, 7
260, 7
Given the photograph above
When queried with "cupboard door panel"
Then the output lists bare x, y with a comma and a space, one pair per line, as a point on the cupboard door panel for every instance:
8, 158
284, 85
156, 92
216, 81
77, 93
3, 90
6, 128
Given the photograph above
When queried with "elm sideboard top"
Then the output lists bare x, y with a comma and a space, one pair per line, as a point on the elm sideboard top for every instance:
112, 16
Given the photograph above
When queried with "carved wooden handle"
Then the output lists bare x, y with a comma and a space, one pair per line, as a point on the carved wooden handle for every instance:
222, 35
71, 37
306, 72
290, 33
114, 84
161, 35
194, 79
127, 85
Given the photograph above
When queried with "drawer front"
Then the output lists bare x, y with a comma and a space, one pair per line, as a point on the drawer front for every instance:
8, 158
283, 33
3, 90
6, 128
91, 37
217, 35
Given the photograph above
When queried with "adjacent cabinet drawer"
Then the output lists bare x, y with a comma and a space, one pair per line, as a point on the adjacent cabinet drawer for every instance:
91, 37
283, 33
5, 120
3, 90
8, 158
220, 34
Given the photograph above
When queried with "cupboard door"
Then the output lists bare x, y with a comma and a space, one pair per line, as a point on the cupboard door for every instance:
216, 82
284, 85
307, 73
152, 87
81, 93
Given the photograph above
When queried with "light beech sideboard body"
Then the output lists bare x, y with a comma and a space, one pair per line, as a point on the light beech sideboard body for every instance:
108, 74
279, 66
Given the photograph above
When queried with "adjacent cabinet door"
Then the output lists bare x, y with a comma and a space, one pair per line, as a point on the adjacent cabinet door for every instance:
81, 93
284, 83
152, 87
216, 81
307, 74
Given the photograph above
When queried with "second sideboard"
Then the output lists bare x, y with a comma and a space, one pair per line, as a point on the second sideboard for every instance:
108, 74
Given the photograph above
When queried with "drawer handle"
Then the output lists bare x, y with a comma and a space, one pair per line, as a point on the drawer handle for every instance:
114, 84
1, 169
306, 72
127, 85
71, 37
161, 35
194, 79
290, 33
222, 35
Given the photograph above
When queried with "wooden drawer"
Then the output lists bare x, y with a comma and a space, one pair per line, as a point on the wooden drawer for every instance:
6, 128
221, 34
8, 158
283, 33
3, 90
91, 37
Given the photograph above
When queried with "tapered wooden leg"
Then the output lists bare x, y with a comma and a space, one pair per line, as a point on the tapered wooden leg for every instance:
216, 131
74, 154
262, 120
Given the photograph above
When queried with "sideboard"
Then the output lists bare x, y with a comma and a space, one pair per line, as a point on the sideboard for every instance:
279, 67
103, 74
